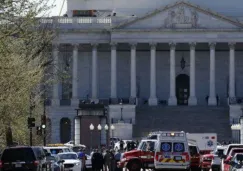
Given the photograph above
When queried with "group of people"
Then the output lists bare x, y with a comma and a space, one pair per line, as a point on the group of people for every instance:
130, 145
102, 160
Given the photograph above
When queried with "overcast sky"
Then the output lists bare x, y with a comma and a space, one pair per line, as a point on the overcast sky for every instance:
58, 4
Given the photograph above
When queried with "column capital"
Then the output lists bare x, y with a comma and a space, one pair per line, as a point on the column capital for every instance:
192, 45
172, 45
133, 45
75, 46
152, 45
212, 45
55, 46
232, 45
94, 45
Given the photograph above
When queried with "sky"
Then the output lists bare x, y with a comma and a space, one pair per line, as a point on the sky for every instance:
58, 4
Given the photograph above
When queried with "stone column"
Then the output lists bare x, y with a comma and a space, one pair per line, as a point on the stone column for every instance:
192, 101
56, 85
153, 101
232, 70
241, 130
133, 71
113, 71
212, 96
77, 130
172, 100
75, 100
94, 74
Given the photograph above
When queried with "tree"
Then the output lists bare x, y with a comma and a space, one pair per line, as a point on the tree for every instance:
24, 62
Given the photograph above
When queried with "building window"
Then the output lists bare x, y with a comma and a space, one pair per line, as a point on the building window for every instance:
65, 130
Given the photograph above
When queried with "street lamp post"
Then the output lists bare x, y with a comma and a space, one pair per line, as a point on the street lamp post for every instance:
112, 133
99, 127
121, 119
91, 128
107, 136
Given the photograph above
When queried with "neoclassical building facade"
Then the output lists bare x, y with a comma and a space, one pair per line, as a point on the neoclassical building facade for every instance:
178, 54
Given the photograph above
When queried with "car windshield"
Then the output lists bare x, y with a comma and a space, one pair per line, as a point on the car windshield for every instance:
56, 151
68, 156
239, 157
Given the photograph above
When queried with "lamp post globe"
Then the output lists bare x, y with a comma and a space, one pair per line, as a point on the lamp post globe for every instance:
112, 127
106, 127
99, 127
43, 126
91, 127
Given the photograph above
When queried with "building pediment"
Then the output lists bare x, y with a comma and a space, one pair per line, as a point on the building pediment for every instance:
181, 15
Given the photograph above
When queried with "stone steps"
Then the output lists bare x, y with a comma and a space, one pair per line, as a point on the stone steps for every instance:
197, 119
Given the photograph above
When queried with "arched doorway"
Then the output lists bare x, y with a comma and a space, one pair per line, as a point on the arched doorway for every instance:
182, 89
65, 130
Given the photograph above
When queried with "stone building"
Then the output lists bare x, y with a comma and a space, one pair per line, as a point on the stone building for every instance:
142, 66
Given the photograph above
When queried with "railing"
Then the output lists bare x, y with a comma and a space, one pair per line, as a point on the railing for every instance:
77, 20
84, 22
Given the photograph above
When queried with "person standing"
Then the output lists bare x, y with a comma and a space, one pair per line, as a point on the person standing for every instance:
95, 160
107, 160
113, 161
81, 156
117, 159
121, 145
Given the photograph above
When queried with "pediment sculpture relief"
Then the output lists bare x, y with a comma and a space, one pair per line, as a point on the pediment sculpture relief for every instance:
179, 19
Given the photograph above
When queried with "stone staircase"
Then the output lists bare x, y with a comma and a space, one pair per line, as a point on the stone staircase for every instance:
193, 119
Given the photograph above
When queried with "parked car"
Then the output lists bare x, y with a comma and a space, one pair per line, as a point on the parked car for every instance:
23, 158
227, 151
206, 161
236, 163
71, 161
230, 156
216, 161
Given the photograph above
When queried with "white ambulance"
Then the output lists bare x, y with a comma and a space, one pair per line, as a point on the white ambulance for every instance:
206, 142
172, 151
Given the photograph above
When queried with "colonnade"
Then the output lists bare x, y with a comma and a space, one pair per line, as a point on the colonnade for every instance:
153, 100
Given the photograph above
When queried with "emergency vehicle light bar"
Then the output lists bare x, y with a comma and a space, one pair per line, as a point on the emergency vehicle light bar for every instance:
172, 134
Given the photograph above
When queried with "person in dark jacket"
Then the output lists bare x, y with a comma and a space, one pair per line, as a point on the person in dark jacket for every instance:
121, 145
95, 160
118, 158
107, 160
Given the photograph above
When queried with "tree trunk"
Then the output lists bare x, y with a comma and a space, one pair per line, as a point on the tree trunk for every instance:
9, 136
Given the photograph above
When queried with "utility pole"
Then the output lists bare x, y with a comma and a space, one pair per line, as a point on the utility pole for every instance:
29, 119
43, 124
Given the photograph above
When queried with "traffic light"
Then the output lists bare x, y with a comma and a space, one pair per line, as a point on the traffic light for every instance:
31, 122
38, 130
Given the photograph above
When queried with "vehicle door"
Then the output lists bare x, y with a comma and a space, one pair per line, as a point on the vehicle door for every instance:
148, 151
163, 153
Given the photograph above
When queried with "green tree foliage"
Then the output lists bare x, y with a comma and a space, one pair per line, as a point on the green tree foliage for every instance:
24, 61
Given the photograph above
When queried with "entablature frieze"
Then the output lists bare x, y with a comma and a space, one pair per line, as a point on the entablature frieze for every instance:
126, 36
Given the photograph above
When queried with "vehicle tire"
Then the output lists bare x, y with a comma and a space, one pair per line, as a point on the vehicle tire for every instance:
134, 166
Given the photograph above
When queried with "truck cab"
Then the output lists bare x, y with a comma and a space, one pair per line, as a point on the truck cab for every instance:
142, 157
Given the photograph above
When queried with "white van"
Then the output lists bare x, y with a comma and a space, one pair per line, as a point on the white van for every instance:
172, 151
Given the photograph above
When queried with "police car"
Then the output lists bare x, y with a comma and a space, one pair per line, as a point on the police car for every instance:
172, 151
